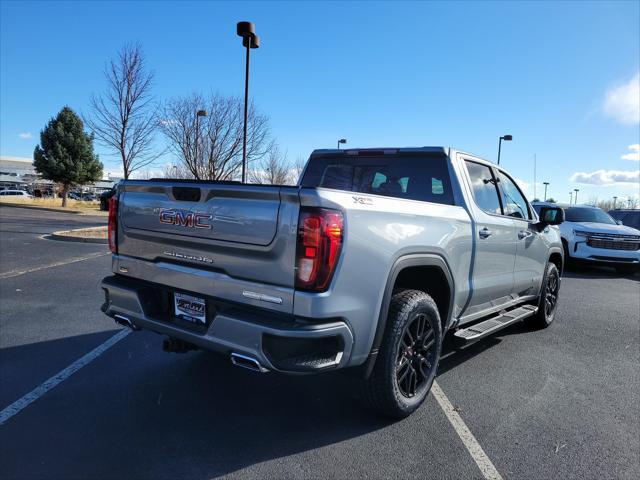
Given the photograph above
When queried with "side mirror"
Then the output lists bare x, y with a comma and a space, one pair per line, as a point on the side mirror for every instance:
619, 222
551, 216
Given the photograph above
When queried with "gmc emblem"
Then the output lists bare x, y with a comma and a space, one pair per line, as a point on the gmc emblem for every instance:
183, 218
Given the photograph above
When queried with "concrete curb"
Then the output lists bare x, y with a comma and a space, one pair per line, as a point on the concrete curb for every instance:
64, 235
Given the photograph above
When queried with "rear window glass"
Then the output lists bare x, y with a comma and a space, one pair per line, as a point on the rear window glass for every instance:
424, 178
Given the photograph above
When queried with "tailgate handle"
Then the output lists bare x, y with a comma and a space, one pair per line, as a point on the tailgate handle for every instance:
186, 194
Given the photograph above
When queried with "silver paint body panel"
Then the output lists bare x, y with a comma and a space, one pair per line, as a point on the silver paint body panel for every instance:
251, 248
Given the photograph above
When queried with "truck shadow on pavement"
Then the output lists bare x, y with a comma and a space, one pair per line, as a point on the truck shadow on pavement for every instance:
137, 412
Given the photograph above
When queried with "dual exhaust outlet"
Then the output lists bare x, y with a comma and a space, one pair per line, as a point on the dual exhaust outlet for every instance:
179, 346
247, 362
125, 322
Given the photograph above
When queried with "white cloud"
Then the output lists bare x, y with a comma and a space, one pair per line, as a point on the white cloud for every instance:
528, 188
608, 178
522, 184
635, 155
622, 102
25, 135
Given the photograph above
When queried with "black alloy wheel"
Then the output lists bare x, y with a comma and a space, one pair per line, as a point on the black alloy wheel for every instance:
551, 292
416, 353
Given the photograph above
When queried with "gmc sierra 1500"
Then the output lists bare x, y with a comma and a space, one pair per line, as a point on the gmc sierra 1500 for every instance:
367, 262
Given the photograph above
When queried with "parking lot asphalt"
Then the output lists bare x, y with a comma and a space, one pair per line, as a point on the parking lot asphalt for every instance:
563, 402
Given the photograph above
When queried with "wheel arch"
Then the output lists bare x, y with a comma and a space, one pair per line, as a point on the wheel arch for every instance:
556, 256
427, 272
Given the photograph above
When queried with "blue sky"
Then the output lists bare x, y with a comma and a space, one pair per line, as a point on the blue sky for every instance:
562, 78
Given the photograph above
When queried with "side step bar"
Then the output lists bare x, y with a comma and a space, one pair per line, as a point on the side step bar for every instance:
494, 324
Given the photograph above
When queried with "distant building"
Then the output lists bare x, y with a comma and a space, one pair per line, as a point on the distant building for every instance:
17, 172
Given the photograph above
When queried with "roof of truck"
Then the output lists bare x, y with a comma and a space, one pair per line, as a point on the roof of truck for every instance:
429, 149
350, 151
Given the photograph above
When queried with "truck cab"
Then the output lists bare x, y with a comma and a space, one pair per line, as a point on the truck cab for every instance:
367, 263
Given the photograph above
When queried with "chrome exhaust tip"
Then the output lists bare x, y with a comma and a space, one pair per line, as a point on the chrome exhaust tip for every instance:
247, 362
125, 322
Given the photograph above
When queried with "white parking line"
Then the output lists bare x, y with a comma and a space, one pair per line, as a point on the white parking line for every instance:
477, 453
15, 273
60, 377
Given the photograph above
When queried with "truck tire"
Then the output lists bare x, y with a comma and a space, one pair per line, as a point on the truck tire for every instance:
548, 300
408, 357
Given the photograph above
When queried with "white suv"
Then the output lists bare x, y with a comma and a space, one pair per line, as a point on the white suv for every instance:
14, 193
592, 236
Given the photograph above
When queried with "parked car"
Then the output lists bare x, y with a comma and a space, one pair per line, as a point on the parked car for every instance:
366, 264
88, 197
590, 235
104, 198
74, 196
628, 217
7, 192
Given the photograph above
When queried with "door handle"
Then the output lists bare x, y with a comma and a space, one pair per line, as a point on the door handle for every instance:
485, 233
524, 234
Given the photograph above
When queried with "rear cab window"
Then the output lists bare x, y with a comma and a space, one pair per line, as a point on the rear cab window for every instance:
409, 176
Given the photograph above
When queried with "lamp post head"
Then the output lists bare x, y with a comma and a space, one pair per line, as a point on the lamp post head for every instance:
201, 113
247, 31
342, 140
254, 39
507, 138
545, 183
244, 29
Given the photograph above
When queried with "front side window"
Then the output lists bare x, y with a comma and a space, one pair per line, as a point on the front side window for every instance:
513, 201
484, 187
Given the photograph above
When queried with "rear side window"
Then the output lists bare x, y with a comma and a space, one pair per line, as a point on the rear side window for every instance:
484, 187
424, 178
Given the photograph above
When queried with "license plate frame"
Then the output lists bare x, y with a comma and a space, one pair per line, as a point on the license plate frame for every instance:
190, 308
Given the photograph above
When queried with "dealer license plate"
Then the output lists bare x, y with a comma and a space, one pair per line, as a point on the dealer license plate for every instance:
192, 309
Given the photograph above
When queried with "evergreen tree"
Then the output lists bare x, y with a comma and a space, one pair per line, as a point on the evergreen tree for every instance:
65, 154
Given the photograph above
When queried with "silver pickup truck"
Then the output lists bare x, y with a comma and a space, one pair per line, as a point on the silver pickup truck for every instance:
367, 263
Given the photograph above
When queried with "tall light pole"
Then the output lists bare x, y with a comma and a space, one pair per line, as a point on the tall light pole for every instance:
570, 198
506, 138
575, 199
343, 141
545, 190
199, 113
247, 31
614, 202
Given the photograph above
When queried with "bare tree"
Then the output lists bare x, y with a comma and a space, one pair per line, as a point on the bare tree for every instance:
124, 118
172, 170
298, 168
210, 147
273, 169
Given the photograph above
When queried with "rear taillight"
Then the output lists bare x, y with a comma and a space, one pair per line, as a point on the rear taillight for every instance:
112, 228
320, 234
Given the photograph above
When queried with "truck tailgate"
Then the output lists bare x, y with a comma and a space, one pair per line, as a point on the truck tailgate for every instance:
245, 232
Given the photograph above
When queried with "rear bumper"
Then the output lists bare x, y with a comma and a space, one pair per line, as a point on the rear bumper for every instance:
279, 342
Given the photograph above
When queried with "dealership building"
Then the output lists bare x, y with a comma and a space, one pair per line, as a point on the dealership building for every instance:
19, 172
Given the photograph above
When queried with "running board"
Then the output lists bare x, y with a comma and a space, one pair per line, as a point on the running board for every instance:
494, 324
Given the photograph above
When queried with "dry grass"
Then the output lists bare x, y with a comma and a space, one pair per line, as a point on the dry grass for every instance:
56, 204
92, 232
